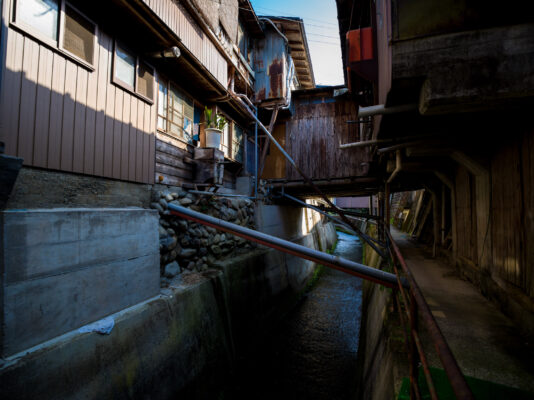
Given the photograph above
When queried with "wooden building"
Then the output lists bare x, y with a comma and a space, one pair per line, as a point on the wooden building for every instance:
120, 94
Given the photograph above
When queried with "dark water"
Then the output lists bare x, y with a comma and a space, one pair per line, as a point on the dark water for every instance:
312, 354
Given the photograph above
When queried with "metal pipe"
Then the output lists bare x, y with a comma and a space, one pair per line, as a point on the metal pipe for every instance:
456, 378
398, 167
363, 271
220, 194
364, 143
380, 109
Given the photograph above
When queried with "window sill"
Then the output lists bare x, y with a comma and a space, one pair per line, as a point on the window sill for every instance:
51, 44
174, 137
130, 90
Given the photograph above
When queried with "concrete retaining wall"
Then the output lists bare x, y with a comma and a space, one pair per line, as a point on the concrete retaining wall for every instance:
183, 342
64, 268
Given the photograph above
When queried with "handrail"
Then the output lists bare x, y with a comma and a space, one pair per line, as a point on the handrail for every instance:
418, 305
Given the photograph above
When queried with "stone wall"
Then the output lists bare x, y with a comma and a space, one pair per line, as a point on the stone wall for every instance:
189, 246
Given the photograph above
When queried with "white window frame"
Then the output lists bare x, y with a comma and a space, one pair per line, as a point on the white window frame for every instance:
57, 44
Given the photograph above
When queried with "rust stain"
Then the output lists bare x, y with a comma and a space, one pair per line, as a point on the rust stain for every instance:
276, 72
260, 96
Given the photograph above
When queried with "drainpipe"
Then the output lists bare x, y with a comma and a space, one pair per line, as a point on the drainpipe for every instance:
381, 109
398, 167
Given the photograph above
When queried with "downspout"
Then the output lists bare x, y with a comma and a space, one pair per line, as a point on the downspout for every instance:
398, 167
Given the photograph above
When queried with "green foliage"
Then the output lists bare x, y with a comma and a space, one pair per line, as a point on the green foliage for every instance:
216, 121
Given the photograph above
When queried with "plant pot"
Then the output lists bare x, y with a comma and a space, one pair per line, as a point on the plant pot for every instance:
213, 137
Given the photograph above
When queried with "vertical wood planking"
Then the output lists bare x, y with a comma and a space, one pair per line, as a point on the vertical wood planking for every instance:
67, 136
132, 152
139, 142
12, 75
117, 134
152, 144
146, 145
79, 120
28, 90
90, 116
56, 111
125, 134
102, 89
42, 108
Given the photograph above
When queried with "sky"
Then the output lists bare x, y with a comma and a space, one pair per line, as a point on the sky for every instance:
322, 31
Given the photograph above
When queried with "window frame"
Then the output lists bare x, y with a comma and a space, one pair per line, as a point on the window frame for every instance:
124, 85
55, 45
61, 34
234, 141
167, 83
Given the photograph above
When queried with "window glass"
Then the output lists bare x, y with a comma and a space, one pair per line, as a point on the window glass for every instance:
145, 81
79, 35
237, 143
124, 66
162, 106
225, 140
176, 113
39, 14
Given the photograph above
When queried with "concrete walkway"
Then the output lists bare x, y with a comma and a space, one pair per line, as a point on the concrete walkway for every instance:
483, 340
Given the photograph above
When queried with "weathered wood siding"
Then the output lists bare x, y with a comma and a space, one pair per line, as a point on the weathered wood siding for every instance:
56, 114
314, 133
466, 223
170, 166
512, 171
176, 17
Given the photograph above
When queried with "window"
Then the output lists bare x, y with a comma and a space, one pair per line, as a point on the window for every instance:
67, 30
132, 74
41, 15
238, 139
226, 139
175, 112
78, 35
243, 42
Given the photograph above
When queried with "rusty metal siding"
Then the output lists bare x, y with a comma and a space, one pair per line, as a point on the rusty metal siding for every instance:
176, 17
270, 67
56, 114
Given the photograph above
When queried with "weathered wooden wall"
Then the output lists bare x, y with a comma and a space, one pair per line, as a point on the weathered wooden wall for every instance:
314, 133
512, 171
170, 166
174, 15
56, 114
466, 224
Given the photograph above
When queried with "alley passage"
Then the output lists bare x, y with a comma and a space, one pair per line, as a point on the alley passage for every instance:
312, 354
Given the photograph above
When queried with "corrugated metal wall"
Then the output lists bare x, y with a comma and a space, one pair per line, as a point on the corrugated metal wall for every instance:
59, 115
181, 22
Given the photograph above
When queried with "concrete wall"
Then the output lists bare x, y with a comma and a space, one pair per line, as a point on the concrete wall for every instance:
181, 343
64, 268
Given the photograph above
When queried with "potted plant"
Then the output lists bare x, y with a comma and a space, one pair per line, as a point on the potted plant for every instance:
215, 124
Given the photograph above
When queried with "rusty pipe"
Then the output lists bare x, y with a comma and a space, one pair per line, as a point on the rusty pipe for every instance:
456, 378
350, 267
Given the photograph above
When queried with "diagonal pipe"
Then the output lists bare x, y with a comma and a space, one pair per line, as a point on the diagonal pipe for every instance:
350, 267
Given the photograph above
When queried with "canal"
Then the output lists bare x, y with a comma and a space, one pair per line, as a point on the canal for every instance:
312, 353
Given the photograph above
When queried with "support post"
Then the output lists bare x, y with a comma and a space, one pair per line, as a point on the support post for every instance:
387, 201
443, 211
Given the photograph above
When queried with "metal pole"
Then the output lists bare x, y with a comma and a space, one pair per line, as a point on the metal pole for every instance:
363, 271
220, 194
256, 177
456, 378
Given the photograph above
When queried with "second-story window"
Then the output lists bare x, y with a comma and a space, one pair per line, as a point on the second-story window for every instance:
59, 25
175, 112
132, 74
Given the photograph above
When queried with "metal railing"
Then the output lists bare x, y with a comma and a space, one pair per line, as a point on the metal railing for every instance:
416, 308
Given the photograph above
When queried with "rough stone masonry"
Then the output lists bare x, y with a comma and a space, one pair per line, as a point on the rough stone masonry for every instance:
189, 246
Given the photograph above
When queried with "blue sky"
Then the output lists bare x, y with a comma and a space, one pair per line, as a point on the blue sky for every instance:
320, 21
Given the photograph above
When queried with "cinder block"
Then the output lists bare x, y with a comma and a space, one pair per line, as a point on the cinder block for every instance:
64, 268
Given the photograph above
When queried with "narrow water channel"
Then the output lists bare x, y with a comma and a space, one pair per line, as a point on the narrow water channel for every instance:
312, 353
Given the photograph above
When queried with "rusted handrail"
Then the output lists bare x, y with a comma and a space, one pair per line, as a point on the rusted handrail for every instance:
419, 305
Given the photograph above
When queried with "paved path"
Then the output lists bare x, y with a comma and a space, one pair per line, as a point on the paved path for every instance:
312, 355
484, 341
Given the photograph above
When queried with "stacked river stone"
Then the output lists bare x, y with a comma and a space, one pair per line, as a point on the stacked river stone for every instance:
189, 246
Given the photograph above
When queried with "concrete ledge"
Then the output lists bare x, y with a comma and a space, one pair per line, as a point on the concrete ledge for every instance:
64, 268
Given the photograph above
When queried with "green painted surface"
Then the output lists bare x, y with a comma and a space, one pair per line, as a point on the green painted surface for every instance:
481, 389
